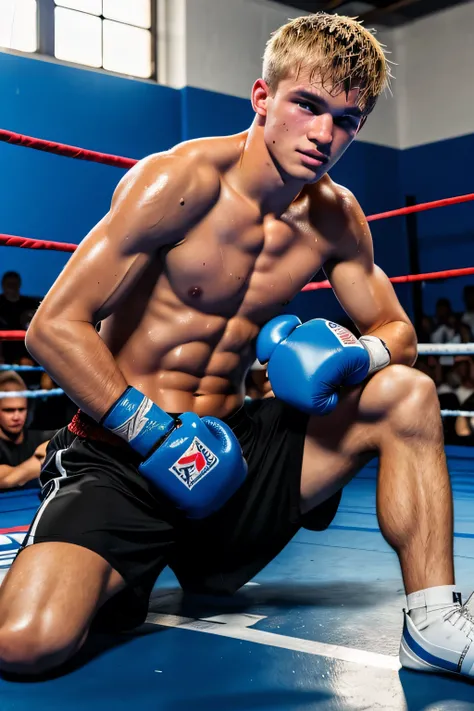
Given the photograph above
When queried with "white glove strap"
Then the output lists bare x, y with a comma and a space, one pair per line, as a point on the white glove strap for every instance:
378, 352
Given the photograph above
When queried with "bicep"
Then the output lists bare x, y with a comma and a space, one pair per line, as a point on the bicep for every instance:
363, 289
94, 278
365, 293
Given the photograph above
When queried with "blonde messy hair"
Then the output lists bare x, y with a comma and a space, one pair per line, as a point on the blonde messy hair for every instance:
337, 50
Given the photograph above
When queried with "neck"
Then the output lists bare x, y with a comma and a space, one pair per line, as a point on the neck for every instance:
259, 178
10, 437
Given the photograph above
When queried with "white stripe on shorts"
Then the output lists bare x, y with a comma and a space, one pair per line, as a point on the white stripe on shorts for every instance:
30, 538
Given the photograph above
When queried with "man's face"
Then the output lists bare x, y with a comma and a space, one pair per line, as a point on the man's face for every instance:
13, 413
11, 287
307, 129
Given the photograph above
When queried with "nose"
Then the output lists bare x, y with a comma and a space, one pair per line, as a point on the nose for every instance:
321, 129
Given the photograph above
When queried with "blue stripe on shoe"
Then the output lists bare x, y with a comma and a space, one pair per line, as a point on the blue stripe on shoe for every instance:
426, 656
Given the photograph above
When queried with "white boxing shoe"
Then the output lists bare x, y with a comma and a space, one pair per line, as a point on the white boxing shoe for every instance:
441, 641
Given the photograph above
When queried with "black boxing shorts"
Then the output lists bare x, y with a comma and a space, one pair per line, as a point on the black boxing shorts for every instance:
94, 496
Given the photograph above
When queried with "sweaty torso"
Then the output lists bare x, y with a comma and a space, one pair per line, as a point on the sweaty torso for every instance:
185, 334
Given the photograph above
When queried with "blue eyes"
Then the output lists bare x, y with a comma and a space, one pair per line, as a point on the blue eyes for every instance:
344, 121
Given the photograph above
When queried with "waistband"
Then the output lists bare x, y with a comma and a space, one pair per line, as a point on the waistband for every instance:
85, 427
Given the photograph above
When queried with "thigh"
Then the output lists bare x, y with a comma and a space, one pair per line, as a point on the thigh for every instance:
96, 502
339, 444
58, 587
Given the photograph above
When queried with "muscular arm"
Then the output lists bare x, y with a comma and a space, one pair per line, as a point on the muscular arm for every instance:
363, 290
154, 205
11, 477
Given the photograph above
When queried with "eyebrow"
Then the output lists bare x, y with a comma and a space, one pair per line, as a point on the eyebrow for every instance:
316, 99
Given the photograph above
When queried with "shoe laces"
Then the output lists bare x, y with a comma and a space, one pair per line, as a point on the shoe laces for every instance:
461, 619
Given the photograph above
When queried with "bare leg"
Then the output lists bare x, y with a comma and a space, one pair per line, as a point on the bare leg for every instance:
397, 415
47, 603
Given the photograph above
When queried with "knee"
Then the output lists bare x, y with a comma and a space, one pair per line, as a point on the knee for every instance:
408, 398
30, 650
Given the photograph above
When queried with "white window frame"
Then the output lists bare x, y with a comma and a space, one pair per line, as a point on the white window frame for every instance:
45, 20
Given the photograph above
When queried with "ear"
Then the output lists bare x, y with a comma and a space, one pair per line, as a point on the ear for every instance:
259, 97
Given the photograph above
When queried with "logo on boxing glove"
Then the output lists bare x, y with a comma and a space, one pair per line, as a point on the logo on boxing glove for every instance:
194, 463
345, 337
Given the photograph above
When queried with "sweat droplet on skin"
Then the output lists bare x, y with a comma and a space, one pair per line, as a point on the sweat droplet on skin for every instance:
195, 292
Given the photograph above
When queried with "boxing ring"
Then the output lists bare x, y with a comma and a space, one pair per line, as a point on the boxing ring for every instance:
318, 628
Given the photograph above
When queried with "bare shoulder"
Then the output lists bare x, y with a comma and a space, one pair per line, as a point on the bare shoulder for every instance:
171, 176
333, 199
335, 210
165, 194
217, 152
188, 177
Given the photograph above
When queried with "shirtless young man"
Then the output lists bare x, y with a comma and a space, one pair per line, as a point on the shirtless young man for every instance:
202, 246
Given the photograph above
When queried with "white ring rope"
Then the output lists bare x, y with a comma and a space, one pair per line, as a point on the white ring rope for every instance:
456, 413
32, 393
423, 349
446, 349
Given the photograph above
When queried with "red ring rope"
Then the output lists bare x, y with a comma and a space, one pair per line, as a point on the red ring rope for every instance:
63, 149
12, 335
314, 286
446, 274
26, 242
120, 162
422, 207
12, 241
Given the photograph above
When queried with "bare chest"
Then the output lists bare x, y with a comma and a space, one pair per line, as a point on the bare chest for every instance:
235, 264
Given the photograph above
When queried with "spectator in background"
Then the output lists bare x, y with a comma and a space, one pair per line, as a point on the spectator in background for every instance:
14, 307
16, 312
445, 329
465, 332
52, 413
468, 315
442, 330
21, 450
462, 377
425, 330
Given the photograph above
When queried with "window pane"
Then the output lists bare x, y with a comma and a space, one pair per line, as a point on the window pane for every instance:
18, 25
133, 12
127, 49
77, 37
93, 7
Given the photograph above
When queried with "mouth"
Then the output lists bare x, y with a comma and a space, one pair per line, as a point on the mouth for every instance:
314, 158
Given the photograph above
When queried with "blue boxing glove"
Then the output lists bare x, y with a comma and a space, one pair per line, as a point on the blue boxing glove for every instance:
307, 363
197, 463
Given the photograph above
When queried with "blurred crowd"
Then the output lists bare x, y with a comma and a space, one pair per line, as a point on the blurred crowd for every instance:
453, 375
26, 424
16, 312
